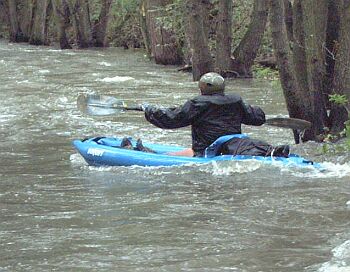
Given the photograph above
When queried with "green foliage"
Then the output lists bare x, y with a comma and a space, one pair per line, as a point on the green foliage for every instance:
335, 149
124, 23
342, 100
172, 17
339, 99
347, 132
341, 148
95, 8
124, 29
241, 20
4, 31
262, 72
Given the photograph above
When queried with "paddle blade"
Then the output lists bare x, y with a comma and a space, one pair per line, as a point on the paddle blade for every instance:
99, 105
285, 122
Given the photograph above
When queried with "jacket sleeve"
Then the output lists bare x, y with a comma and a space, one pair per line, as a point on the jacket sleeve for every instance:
170, 118
253, 115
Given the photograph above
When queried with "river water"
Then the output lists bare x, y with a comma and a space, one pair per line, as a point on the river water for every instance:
58, 214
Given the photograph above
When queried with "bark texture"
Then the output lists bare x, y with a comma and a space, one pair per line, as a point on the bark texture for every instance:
342, 68
15, 31
163, 43
82, 24
296, 100
288, 13
224, 37
202, 61
315, 24
101, 25
245, 53
298, 45
62, 15
144, 27
38, 35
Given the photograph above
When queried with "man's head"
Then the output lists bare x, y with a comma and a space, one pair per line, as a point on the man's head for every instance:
211, 83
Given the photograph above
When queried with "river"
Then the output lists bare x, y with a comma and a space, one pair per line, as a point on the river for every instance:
59, 214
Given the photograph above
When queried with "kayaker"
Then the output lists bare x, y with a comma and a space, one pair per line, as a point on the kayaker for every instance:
211, 115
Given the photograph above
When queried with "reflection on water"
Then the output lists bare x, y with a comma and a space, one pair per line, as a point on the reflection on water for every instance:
57, 213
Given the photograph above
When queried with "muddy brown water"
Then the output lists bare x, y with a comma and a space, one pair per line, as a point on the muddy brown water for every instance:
58, 214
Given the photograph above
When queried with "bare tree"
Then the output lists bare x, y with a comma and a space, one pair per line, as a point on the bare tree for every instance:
161, 40
38, 35
245, 53
82, 24
100, 26
16, 34
296, 99
298, 45
144, 27
342, 68
315, 25
62, 15
224, 37
202, 61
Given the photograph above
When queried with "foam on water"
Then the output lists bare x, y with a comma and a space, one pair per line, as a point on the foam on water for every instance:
329, 170
115, 79
230, 167
104, 63
6, 117
340, 261
44, 71
76, 159
227, 168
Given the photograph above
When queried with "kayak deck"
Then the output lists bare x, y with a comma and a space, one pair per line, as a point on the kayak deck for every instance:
106, 151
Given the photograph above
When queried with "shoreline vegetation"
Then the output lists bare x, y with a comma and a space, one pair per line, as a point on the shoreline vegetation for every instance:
303, 44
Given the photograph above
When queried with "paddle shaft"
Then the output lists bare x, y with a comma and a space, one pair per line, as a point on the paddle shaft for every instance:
132, 108
285, 122
89, 102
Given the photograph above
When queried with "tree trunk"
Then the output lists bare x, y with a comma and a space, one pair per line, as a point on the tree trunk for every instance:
315, 24
202, 61
224, 37
100, 27
62, 14
296, 100
16, 34
163, 43
299, 54
288, 13
335, 122
332, 41
82, 24
3, 11
245, 53
144, 27
38, 34
342, 68
25, 18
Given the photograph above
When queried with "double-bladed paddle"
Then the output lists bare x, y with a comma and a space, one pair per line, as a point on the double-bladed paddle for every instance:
100, 105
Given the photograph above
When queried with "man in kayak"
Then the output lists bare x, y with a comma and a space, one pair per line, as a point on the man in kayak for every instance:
211, 115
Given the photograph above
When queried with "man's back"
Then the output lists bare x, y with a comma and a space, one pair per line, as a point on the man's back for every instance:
210, 117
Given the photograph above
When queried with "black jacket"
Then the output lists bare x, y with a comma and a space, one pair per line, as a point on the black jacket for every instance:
210, 116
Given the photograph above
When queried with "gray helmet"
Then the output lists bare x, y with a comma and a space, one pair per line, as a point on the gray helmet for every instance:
211, 83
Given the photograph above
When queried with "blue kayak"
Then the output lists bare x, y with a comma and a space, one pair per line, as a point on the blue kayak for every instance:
106, 151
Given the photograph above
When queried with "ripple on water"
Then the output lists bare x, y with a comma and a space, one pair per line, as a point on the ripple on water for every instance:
58, 213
